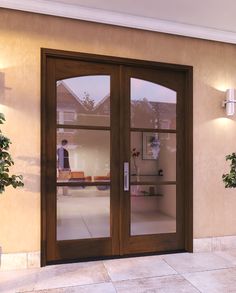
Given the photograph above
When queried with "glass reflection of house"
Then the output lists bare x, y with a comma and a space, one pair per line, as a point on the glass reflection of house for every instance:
72, 109
149, 114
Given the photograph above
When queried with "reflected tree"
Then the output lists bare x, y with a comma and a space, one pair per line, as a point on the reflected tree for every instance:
88, 102
144, 110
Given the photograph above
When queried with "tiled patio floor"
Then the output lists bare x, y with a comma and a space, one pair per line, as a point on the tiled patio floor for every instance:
173, 273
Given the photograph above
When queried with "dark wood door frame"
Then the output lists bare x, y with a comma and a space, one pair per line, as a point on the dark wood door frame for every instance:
186, 71
164, 241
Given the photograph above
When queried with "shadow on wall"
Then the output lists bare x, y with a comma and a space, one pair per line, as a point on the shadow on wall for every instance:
3, 88
31, 180
31, 161
10, 96
214, 101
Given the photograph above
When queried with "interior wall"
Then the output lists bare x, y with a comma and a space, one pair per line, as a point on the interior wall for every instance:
90, 157
167, 202
21, 37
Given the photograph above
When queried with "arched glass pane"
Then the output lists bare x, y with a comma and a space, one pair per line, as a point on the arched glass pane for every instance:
152, 105
84, 100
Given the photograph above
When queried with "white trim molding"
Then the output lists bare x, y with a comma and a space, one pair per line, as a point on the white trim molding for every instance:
16, 261
120, 19
212, 244
27, 260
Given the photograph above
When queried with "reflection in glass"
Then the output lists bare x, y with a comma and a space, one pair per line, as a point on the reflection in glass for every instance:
153, 209
156, 159
83, 155
77, 217
84, 100
152, 105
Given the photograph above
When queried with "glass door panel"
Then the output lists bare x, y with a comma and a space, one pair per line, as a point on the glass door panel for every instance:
153, 158
152, 105
83, 157
76, 216
80, 160
78, 153
84, 100
153, 209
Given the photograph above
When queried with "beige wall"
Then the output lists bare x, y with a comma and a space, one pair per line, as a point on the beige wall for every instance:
21, 37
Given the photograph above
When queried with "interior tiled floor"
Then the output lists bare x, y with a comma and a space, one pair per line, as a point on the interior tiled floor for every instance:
85, 213
173, 273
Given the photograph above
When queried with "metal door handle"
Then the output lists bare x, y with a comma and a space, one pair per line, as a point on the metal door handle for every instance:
126, 176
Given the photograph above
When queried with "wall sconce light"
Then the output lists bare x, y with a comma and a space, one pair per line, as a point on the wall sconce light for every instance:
229, 102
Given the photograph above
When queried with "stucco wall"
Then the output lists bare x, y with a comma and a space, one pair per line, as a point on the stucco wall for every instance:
21, 37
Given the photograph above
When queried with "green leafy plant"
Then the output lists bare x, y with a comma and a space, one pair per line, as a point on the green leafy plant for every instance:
230, 178
6, 162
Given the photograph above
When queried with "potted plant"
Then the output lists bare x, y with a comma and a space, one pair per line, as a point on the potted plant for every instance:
230, 178
6, 162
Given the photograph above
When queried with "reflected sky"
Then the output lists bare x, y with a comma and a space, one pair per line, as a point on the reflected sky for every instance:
141, 89
98, 87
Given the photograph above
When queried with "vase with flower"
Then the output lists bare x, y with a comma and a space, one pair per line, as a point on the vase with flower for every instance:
134, 155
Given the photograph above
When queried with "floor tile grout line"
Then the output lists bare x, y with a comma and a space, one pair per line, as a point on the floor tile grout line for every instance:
179, 274
204, 270
170, 266
112, 282
191, 284
70, 286
134, 279
207, 270
141, 278
137, 278
213, 270
106, 270
154, 277
114, 287
109, 279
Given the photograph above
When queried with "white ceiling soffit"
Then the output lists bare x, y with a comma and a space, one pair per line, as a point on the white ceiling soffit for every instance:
146, 20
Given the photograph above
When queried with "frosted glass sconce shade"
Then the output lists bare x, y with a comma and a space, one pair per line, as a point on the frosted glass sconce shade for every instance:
229, 102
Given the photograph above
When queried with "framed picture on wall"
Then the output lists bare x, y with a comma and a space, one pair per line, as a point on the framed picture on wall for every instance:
151, 146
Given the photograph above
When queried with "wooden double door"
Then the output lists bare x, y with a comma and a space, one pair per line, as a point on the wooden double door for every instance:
116, 157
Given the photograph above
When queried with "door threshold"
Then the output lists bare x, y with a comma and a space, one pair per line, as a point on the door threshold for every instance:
97, 258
